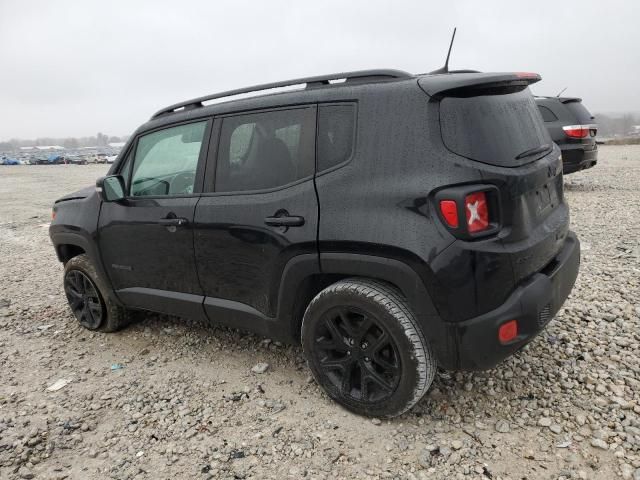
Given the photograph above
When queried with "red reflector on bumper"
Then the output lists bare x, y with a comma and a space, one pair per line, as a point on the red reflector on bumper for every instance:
508, 331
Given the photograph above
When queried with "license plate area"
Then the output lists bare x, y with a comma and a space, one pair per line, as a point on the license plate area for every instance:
546, 198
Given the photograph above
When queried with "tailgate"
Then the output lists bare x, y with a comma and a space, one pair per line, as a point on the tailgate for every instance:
499, 126
536, 217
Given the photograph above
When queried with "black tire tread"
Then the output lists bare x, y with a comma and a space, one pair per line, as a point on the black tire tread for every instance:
117, 317
397, 306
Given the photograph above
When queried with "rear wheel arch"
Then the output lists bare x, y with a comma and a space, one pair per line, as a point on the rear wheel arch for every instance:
303, 279
401, 275
360, 333
390, 270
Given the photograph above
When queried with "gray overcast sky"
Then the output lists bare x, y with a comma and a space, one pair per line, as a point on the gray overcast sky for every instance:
73, 68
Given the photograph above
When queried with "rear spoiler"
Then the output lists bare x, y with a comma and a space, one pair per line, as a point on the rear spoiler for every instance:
435, 85
570, 99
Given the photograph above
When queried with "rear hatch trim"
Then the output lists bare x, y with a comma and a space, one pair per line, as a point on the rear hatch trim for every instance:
442, 84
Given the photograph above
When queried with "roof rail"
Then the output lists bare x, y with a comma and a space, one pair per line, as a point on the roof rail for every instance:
384, 74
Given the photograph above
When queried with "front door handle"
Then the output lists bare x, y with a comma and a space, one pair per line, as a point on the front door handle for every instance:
285, 221
173, 222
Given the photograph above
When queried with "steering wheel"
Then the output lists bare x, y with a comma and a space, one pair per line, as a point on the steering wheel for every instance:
182, 183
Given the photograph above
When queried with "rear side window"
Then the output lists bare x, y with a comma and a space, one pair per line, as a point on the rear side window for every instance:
496, 128
547, 114
265, 150
336, 132
583, 117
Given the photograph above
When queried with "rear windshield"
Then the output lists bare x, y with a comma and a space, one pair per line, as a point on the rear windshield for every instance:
582, 115
494, 129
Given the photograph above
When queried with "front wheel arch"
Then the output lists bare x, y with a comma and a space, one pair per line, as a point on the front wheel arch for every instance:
67, 251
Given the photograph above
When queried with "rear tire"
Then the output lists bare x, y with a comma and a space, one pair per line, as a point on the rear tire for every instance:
365, 348
88, 299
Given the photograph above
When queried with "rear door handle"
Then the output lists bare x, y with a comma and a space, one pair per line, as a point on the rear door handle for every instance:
285, 221
173, 222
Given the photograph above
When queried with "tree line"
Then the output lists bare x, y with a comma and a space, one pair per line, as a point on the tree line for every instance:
608, 126
621, 125
98, 140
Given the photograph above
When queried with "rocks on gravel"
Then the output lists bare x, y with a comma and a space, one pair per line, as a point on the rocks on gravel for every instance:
260, 368
502, 426
599, 443
544, 422
565, 406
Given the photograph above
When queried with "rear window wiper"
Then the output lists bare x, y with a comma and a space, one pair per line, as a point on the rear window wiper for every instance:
533, 151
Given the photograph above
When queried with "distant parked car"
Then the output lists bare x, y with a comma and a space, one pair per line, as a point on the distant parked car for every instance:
56, 159
572, 127
76, 160
53, 159
111, 158
10, 161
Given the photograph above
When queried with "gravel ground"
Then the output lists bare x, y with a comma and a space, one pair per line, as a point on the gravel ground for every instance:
169, 398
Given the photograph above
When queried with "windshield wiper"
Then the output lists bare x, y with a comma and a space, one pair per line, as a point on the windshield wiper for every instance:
533, 151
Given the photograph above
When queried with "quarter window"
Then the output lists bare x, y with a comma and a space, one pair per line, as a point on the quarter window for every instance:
336, 127
547, 114
265, 150
165, 161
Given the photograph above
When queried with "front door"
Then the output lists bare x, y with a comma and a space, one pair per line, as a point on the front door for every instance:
146, 240
257, 211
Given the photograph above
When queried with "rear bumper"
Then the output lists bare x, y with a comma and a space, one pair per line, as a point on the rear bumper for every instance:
577, 158
532, 304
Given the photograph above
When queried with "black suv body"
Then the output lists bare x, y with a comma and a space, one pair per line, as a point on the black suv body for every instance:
572, 127
426, 212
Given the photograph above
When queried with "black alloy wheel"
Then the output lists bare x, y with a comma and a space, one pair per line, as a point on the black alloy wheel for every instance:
357, 354
84, 299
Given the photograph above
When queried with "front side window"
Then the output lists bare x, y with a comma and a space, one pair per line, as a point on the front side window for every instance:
265, 150
165, 161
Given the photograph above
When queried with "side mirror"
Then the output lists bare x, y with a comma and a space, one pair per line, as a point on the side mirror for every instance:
111, 188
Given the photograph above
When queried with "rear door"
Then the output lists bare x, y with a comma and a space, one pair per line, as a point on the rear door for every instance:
146, 240
258, 210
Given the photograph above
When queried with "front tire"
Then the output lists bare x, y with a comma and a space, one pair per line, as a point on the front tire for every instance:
365, 348
88, 299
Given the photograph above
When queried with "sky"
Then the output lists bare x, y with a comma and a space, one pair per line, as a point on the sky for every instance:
75, 68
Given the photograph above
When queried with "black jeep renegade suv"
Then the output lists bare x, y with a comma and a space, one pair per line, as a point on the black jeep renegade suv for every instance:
392, 223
